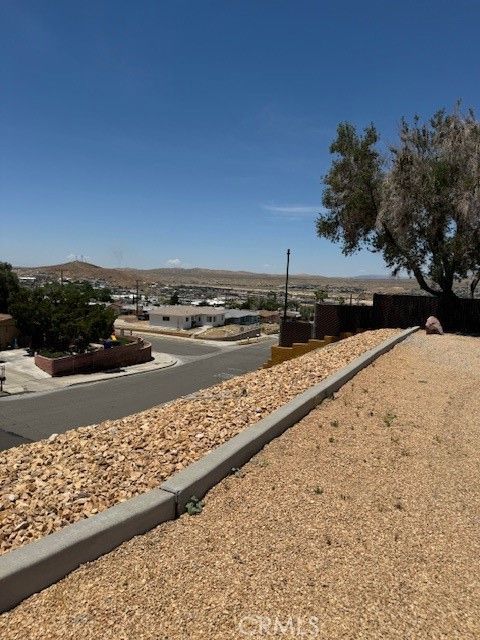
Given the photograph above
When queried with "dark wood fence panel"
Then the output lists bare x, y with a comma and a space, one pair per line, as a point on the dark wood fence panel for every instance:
294, 331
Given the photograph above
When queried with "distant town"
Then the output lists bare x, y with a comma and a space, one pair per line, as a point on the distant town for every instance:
212, 287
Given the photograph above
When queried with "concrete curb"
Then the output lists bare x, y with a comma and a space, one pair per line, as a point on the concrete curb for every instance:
37, 565
15, 391
119, 375
202, 475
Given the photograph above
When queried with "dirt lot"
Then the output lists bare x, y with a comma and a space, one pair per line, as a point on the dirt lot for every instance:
360, 522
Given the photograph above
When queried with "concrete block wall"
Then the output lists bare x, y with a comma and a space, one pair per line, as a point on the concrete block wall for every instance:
280, 354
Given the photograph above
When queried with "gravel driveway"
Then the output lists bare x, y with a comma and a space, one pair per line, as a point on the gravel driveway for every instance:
361, 521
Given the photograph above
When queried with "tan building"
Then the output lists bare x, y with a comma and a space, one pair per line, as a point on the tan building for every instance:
8, 330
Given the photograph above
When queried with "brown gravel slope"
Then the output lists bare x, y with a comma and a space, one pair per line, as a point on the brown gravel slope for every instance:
49, 484
359, 522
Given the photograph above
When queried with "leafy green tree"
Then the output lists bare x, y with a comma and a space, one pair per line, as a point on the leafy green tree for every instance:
32, 315
269, 303
9, 286
102, 295
250, 303
419, 207
293, 304
61, 317
320, 295
174, 298
306, 312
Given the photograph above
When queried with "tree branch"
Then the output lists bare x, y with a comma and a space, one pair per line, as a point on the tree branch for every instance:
416, 270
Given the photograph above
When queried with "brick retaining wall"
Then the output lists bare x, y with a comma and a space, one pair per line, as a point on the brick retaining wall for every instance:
135, 352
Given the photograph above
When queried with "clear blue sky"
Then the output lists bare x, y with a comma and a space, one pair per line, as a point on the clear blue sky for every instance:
196, 132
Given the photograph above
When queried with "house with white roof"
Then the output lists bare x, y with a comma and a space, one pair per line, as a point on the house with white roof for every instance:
241, 316
180, 316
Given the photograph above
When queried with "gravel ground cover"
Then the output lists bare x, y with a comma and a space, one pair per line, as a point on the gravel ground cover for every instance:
359, 522
49, 484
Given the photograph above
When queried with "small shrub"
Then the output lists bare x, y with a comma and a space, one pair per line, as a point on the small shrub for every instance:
194, 506
46, 353
388, 419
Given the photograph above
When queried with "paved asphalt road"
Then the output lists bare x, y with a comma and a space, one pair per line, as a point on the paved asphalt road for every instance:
181, 347
35, 416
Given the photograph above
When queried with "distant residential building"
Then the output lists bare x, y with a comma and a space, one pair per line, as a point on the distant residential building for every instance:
8, 330
186, 317
240, 316
27, 281
269, 317
212, 302
294, 314
274, 317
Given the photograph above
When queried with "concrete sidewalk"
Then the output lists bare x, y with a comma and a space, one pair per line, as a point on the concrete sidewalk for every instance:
23, 376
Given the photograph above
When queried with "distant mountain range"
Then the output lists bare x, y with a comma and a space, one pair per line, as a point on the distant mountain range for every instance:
126, 277
373, 276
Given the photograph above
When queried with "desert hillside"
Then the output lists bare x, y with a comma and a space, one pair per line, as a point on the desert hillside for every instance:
126, 277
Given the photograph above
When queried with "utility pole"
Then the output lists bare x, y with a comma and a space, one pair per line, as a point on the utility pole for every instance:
3, 377
136, 299
286, 288
61, 277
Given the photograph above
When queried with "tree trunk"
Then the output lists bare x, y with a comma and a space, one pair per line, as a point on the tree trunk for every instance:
473, 284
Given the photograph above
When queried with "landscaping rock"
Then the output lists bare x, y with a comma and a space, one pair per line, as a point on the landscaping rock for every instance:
433, 326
